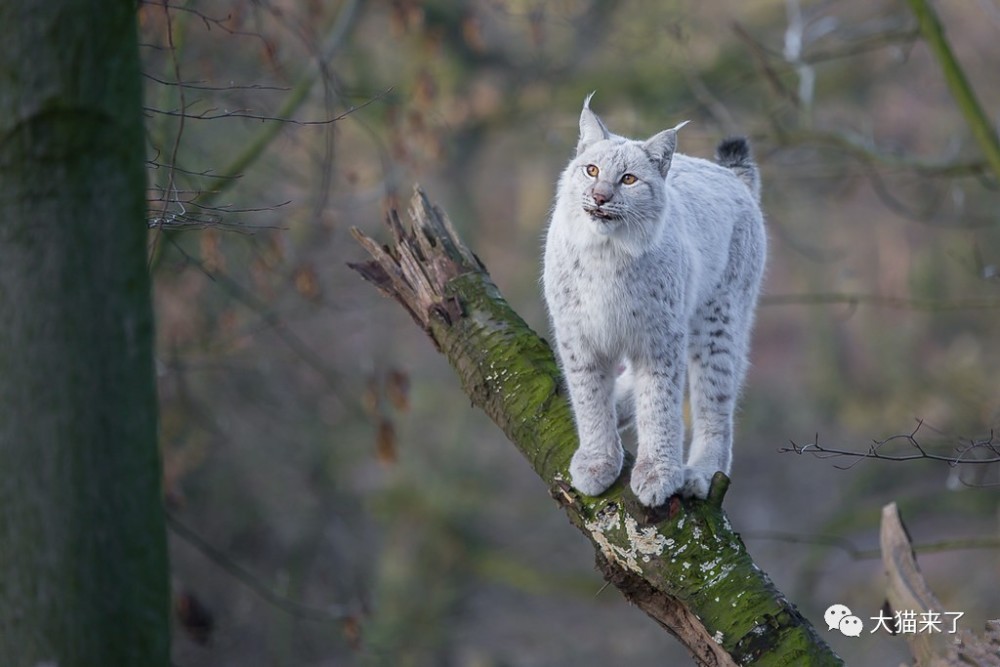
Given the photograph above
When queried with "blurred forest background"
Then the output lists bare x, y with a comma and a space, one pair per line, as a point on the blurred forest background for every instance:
335, 501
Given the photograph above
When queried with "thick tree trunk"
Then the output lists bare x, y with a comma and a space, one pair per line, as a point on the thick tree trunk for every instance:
83, 570
682, 564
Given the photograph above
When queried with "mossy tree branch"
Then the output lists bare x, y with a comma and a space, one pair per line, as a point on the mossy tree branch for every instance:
682, 564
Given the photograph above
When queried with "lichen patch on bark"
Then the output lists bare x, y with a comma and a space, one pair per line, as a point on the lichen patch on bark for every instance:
639, 543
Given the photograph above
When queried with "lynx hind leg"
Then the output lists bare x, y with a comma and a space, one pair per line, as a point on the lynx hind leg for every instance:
719, 341
717, 362
716, 350
625, 396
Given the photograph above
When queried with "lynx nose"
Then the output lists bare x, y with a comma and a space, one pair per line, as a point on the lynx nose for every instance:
601, 195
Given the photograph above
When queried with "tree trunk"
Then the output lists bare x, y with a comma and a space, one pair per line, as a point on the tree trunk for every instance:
83, 567
682, 564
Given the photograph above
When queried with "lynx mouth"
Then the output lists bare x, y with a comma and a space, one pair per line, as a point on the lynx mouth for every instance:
601, 214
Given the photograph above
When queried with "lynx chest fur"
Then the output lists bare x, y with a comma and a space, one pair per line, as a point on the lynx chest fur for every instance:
617, 293
653, 262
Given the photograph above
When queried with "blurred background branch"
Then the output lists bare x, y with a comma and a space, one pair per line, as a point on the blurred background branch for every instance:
983, 129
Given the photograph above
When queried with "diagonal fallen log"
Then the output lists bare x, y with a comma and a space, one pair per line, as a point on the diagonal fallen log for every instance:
682, 564
907, 590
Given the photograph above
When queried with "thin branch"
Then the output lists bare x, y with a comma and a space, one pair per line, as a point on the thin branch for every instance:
963, 455
271, 125
206, 173
206, 217
200, 85
246, 113
335, 40
209, 21
180, 127
879, 301
163, 195
334, 612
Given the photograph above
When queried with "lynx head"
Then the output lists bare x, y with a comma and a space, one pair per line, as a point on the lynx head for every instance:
617, 184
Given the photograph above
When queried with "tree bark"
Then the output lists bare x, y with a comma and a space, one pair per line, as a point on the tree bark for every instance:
83, 567
682, 563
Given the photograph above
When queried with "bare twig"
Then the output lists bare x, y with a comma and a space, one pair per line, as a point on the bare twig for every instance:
878, 301
210, 114
211, 214
204, 216
209, 21
201, 85
964, 452
205, 173
334, 41
180, 127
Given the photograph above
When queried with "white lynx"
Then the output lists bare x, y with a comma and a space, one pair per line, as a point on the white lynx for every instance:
653, 263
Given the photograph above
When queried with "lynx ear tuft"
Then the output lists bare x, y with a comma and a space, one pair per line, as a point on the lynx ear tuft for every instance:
592, 128
662, 146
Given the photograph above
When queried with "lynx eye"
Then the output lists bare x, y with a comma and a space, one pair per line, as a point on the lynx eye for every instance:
592, 170
629, 179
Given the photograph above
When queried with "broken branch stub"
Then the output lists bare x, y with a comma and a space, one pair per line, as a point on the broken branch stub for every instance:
421, 261
907, 590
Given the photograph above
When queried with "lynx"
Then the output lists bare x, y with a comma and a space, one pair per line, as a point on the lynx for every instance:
652, 267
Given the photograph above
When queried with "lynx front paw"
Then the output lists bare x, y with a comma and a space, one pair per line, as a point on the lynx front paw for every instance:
594, 472
697, 481
653, 483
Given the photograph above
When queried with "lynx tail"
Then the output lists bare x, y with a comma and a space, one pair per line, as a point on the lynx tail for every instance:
734, 153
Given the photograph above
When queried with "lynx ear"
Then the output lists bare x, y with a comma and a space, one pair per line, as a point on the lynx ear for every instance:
592, 128
662, 146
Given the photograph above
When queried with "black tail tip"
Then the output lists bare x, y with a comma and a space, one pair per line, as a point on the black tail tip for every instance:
733, 150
